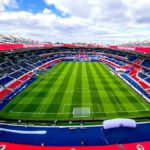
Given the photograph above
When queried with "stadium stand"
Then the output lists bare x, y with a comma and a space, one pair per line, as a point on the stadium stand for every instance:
15, 68
16, 71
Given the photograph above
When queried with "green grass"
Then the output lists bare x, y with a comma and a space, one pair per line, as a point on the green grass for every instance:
71, 85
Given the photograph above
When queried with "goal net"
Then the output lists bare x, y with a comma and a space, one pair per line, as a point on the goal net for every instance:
81, 112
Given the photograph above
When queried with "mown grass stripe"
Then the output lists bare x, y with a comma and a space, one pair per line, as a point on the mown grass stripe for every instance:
127, 93
77, 96
34, 102
59, 74
66, 103
107, 87
129, 97
86, 97
95, 98
105, 97
53, 89
58, 97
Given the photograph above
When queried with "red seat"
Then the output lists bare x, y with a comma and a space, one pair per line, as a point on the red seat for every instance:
4, 93
148, 91
50, 63
133, 75
133, 72
24, 78
14, 85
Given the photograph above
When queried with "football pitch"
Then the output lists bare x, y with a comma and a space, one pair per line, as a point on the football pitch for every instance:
76, 91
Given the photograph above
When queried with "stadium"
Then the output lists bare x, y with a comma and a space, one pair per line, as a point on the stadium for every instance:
74, 77
73, 87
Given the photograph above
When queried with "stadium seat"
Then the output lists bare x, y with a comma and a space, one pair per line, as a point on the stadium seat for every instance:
4, 93
14, 85
146, 63
5, 80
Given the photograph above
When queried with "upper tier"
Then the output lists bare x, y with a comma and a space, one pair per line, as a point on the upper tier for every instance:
14, 46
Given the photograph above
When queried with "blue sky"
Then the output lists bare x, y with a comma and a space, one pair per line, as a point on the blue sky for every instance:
76, 21
34, 6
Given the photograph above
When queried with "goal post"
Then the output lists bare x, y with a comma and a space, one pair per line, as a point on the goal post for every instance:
81, 112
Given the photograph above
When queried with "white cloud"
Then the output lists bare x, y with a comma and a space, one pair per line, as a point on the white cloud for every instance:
47, 11
119, 14
108, 11
89, 21
8, 3
80, 8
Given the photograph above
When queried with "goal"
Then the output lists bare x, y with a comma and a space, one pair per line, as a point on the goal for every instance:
79, 112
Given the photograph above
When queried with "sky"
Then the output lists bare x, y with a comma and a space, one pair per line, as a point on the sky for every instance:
90, 21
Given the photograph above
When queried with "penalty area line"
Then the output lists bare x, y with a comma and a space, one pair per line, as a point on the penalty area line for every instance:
113, 112
39, 113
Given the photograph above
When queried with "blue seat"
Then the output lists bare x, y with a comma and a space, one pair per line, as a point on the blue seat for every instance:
17, 74
141, 75
148, 80
136, 85
5, 80
146, 63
